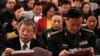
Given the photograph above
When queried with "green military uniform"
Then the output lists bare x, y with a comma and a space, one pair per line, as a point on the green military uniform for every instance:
45, 35
64, 40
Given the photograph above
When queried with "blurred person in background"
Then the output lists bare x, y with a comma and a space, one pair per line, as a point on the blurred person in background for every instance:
76, 3
86, 11
10, 29
91, 24
64, 7
86, 1
45, 22
35, 14
37, 11
45, 3
56, 26
56, 2
6, 14
28, 5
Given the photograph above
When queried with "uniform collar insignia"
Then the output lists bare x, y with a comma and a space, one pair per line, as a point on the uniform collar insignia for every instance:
64, 45
80, 33
49, 34
66, 33
52, 33
83, 42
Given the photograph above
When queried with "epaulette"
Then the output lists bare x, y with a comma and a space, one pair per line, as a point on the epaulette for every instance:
53, 33
87, 30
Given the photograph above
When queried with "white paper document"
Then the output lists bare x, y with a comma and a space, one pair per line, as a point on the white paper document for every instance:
99, 20
23, 53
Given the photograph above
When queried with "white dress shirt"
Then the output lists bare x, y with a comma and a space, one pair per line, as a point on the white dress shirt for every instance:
28, 45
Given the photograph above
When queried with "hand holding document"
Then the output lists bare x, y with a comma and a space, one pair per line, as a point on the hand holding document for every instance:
81, 52
36, 51
78, 52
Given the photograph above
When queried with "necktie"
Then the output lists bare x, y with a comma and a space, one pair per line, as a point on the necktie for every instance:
24, 47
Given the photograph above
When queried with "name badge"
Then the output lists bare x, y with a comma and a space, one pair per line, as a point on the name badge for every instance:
83, 42
48, 35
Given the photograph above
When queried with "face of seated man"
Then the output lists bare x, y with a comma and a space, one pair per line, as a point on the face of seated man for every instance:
74, 25
57, 22
91, 22
26, 32
30, 4
10, 4
37, 9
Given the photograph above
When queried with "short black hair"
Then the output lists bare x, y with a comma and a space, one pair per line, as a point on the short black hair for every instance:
37, 3
17, 6
74, 13
27, 1
65, 2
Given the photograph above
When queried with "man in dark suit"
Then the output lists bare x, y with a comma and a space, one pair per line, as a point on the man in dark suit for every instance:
25, 41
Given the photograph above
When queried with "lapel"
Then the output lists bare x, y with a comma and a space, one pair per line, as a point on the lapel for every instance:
16, 45
36, 43
33, 43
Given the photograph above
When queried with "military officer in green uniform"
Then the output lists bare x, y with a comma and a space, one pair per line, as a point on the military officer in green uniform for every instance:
56, 23
73, 36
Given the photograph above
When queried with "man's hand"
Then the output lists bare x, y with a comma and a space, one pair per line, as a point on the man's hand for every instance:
81, 52
63, 53
8, 52
92, 52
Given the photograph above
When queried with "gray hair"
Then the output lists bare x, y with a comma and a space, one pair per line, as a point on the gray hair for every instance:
27, 21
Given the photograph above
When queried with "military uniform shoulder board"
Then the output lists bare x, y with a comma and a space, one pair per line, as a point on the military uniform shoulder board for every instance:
53, 33
88, 30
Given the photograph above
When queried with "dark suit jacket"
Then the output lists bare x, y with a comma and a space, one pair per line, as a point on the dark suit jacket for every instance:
2, 46
15, 43
6, 16
98, 45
